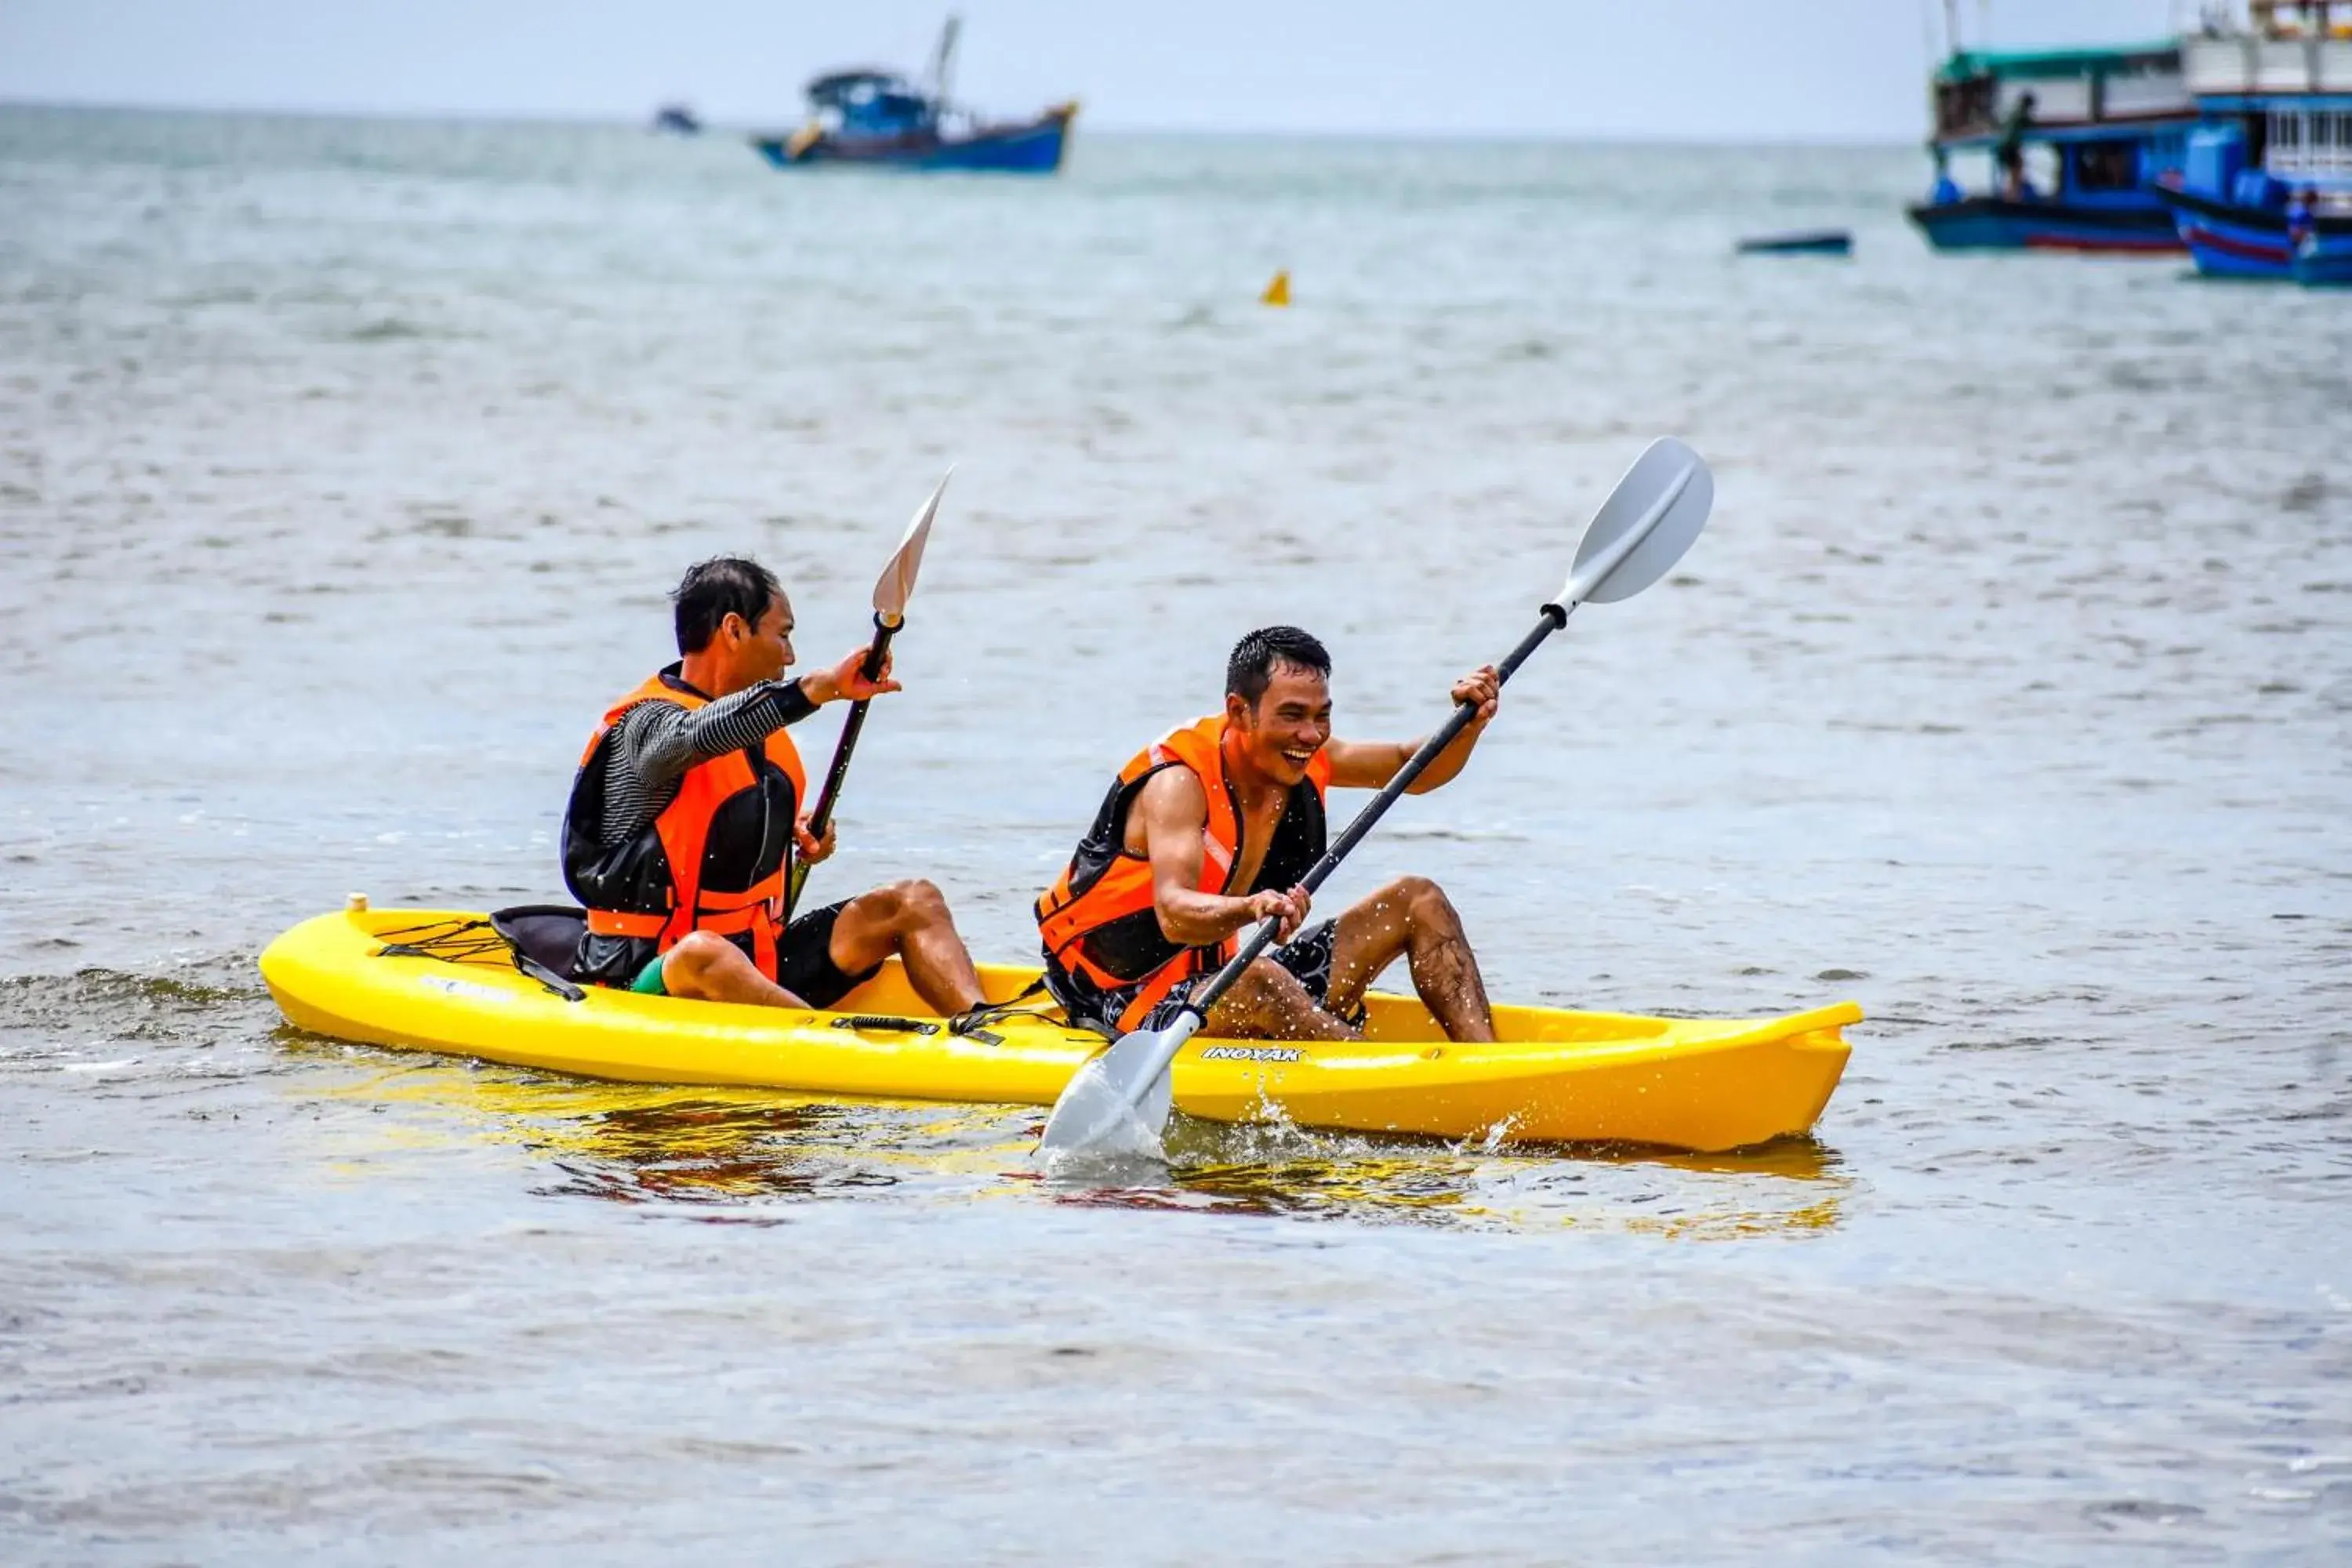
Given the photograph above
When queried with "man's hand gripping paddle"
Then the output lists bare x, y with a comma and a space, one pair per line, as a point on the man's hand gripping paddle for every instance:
891, 592
1118, 1102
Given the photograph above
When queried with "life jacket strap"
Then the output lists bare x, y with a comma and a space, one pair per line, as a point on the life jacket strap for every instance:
621, 922
764, 891
752, 918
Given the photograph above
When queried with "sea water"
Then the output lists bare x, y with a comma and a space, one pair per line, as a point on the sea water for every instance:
344, 466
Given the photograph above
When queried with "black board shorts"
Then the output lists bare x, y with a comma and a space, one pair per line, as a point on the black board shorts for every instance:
805, 965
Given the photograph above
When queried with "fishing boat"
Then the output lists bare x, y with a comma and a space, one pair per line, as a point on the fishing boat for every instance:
2104, 124
883, 119
471, 985
2266, 189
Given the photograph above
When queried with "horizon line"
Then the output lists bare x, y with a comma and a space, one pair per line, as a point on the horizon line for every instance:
1857, 140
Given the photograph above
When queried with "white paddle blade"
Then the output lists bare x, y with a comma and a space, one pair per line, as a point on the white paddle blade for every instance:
1115, 1105
1644, 527
897, 583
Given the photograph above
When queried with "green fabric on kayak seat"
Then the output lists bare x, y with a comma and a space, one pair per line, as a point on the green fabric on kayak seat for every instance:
648, 982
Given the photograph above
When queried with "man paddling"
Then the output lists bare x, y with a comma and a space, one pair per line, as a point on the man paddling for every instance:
690, 804
1209, 830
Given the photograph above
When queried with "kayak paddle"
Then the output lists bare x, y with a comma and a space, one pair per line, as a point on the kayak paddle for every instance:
891, 592
1118, 1103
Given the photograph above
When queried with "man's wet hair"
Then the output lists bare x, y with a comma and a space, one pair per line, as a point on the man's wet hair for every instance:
1251, 669
714, 589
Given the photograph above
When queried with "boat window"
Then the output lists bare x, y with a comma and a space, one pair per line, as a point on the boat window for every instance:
2107, 166
1966, 108
2046, 168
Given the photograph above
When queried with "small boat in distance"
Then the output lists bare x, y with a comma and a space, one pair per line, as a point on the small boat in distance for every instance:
677, 120
2107, 123
1804, 242
879, 116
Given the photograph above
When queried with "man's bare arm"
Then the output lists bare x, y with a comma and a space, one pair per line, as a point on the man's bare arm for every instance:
1370, 765
1167, 817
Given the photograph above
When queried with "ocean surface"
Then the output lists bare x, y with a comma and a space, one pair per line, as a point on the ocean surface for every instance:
344, 466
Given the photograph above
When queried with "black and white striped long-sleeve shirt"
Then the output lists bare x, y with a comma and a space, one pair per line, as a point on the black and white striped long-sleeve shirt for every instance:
656, 742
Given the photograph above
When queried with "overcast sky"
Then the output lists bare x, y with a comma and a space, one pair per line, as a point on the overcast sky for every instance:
1706, 68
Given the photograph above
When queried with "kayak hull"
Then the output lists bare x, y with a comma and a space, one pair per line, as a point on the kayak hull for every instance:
1559, 1076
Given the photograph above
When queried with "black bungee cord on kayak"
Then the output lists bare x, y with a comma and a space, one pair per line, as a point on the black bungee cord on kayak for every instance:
474, 940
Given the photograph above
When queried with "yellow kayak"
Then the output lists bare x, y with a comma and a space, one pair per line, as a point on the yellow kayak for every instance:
1556, 1077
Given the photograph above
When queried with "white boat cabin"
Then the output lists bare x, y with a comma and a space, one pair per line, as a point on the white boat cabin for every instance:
2287, 81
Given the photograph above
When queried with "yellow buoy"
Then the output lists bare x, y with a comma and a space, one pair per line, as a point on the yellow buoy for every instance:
1278, 291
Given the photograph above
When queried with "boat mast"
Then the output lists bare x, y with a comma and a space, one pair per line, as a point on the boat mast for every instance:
943, 59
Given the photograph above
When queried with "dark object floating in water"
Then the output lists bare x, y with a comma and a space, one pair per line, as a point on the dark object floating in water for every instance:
1806, 242
882, 118
678, 119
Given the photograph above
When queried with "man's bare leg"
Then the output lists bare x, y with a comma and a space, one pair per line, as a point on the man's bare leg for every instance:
1412, 916
706, 967
1267, 1003
911, 920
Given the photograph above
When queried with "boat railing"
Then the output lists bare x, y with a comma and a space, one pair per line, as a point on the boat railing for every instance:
2247, 63
2309, 145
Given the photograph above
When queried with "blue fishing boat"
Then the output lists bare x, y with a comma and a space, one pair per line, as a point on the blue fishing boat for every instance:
2266, 189
2104, 124
883, 119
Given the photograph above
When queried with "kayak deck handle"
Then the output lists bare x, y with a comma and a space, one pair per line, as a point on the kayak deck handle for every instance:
883, 1022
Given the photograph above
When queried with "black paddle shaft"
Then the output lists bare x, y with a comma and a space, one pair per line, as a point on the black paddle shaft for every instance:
822, 817
1554, 617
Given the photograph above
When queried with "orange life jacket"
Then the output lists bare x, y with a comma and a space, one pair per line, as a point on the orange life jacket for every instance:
657, 887
1100, 926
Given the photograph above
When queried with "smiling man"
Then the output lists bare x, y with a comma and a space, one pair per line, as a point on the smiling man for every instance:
690, 804
1212, 828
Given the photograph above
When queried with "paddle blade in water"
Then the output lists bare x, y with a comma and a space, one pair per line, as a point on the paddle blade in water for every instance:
1115, 1107
1644, 526
897, 583
1094, 1122
1158, 1102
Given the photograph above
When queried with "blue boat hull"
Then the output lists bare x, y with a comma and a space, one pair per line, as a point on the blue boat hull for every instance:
1034, 147
2321, 264
2229, 240
1994, 222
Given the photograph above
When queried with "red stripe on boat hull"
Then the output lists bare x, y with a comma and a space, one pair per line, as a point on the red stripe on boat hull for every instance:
2244, 249
2148, 247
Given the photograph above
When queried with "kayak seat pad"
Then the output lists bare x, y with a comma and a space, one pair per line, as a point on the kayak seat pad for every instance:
547, 934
